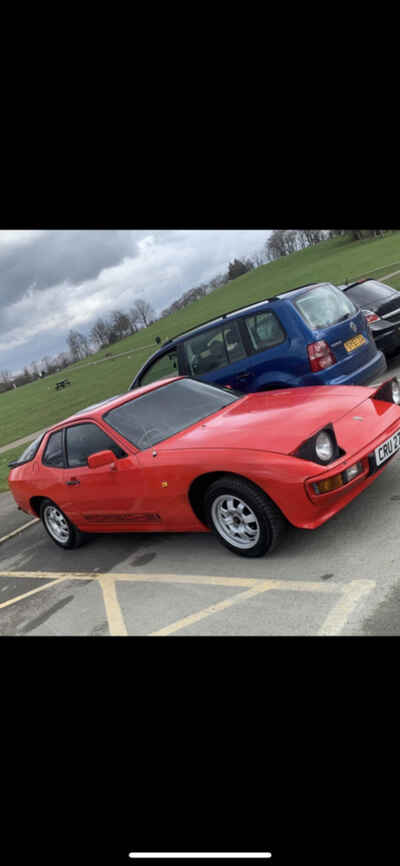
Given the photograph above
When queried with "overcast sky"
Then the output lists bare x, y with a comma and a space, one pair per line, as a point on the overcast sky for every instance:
52, 281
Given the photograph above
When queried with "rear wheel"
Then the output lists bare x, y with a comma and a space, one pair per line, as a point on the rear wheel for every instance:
58, 527
243, 518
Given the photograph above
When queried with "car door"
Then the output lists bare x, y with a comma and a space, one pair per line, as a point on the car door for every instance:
218, 356
268, 347
108, 494
49, 477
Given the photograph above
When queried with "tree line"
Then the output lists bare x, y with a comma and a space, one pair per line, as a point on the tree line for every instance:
110, 329
283, 242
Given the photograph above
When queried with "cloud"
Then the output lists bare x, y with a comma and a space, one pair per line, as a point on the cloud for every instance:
53, 257
51, 281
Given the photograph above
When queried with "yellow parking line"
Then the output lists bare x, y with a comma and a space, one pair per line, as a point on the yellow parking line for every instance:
17, 531
349, 594
40, 575
207, 580
338, 616
263, 586
115, 619
31, 592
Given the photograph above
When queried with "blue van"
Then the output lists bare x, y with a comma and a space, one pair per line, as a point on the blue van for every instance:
312, 335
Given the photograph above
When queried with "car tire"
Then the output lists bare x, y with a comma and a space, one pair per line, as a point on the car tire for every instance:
243, 517
59, 527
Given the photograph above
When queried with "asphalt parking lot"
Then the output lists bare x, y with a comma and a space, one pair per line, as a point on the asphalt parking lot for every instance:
342, 579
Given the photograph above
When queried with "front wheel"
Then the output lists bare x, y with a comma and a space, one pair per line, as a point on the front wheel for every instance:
60, 529
243, 518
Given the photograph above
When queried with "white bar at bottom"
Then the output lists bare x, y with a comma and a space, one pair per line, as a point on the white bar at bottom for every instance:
197, 855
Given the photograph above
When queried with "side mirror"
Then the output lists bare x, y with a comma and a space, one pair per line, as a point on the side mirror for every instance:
102, 458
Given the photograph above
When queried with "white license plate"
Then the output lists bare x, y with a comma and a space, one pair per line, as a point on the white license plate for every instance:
388, 448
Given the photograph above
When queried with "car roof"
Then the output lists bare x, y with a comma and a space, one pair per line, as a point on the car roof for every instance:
237, 312
366, 280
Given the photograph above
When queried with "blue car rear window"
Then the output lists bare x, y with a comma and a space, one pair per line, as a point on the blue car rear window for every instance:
324, 306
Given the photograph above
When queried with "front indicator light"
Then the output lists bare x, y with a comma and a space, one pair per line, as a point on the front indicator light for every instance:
328, 484
336, 481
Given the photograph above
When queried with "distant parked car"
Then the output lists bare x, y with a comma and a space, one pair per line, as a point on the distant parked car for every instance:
381, 307
312, 335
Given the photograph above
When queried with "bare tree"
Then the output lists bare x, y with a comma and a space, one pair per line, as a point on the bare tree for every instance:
78, 345
259, 258
309, 237
275, 246
283, 242
48, 365
134, 318
62, 360
120, 324
5, 380
34, 370
100, 333
145, 310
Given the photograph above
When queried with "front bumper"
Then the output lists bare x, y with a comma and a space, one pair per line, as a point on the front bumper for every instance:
325, 505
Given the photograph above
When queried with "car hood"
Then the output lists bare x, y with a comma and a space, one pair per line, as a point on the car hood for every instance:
280, 420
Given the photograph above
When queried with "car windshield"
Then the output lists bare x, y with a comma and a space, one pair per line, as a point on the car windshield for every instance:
370, 292
324, 306
153, 417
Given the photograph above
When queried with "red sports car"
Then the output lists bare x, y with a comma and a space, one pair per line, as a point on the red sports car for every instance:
183, 456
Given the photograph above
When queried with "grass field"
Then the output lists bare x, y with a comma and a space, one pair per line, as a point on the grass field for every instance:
37, 405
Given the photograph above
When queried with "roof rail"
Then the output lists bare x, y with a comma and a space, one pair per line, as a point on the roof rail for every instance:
218, 318
288, 291
237, 310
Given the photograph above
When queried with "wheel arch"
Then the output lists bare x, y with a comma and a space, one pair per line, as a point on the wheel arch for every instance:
36, 502
199, 486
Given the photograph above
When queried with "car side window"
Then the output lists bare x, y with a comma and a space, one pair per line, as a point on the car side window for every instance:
214, 349
206, 352
85, 439
233, 342
162, 368
54, 451
264, 331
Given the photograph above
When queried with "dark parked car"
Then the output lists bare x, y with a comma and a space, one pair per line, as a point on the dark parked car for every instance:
312, 335
381, 307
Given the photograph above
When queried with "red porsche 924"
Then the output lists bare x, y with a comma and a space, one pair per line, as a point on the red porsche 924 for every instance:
183, 456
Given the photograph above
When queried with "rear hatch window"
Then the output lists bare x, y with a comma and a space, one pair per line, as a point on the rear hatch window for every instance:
324, 306
337, 321
29, 453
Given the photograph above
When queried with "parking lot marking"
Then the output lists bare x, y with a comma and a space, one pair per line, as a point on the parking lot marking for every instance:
263, 586
17, 531
338, 616
40, 575
349, 593
115, 619
31, 592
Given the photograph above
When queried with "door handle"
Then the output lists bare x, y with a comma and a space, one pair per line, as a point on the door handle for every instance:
244, 376
72, 482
